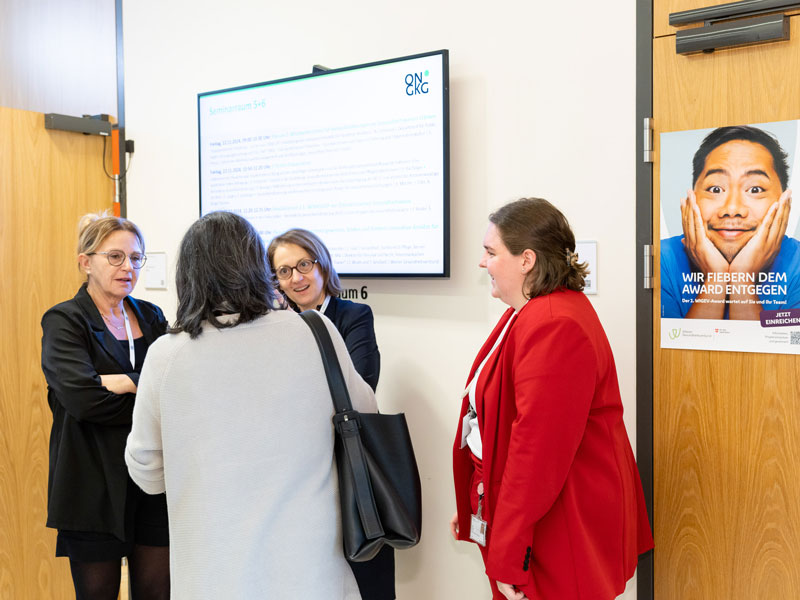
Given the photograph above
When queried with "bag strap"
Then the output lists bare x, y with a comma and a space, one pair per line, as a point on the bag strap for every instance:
339, 393
347, 424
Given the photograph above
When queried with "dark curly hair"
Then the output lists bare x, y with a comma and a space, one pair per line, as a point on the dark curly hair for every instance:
222, 269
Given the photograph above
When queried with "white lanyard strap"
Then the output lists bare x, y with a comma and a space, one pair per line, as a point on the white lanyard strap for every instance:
470, 389
131, 348
324, 304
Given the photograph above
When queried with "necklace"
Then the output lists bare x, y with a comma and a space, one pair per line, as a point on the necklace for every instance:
110, 324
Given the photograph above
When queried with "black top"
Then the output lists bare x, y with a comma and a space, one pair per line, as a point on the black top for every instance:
88, 476
356, 325
139, 347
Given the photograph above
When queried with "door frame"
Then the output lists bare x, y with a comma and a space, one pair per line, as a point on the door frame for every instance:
644, 297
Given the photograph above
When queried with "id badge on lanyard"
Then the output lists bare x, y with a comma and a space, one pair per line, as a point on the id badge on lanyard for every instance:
477, 526
131, 346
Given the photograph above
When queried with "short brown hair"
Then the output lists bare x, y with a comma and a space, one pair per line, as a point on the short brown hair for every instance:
311, 243
535, 224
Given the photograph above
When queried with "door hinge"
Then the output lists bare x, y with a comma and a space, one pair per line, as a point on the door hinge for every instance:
647, 139
648, 266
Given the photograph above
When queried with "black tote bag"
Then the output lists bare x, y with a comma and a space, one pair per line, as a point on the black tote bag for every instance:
379, 485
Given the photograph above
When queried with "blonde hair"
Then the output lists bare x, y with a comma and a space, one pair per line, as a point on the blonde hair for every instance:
93, 229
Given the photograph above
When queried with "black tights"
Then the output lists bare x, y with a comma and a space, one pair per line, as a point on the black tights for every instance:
148, 570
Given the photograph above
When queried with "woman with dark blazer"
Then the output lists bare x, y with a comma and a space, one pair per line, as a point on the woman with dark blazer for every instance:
93, 347
546, 482
303, 266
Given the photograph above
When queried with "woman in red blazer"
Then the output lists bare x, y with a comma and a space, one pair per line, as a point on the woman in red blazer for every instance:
545, 479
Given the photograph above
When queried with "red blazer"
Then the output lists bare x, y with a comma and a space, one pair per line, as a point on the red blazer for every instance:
560, 480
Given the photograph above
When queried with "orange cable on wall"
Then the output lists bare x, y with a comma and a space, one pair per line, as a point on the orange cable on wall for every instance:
115, 169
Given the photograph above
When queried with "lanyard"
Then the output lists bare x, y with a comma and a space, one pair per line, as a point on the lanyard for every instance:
470, 389
324, 304
131, 348
470, 428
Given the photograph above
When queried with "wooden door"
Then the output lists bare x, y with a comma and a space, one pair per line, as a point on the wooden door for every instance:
726, 425
47, 180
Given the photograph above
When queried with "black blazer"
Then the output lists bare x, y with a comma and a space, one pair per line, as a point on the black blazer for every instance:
88, 476
357, 326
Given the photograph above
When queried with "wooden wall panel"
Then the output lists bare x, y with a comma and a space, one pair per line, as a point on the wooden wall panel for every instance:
47, 180
726, 425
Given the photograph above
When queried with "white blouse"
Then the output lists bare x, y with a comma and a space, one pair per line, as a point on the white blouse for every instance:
470, 432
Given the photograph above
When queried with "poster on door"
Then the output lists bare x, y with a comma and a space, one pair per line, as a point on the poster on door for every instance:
730, 239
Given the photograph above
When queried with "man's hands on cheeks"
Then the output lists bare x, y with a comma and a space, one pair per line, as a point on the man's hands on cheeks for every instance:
754, 257
705, 255
510, 592
761, 249
701, 250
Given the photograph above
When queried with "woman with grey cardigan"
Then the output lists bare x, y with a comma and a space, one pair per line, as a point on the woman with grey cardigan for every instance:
233, 420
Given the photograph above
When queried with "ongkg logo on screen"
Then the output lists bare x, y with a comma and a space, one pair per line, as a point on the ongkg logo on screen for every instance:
415, 84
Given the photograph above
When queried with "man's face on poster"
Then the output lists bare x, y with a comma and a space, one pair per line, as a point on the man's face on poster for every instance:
737, 186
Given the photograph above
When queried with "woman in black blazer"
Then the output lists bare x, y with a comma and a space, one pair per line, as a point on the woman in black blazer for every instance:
93, 347
305, 273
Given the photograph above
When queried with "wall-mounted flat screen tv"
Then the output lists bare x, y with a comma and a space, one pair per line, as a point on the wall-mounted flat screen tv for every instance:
358, 155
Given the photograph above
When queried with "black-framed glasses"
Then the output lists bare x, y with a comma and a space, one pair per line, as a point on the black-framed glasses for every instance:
117, 257
304, 266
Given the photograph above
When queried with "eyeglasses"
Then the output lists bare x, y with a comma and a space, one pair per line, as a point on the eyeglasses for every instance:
304, 266
117, 257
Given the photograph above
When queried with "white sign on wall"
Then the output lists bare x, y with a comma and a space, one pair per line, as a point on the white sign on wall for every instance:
587, 252
155, 271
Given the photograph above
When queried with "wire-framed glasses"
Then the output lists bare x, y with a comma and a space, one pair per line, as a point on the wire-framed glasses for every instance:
304, 266
117, 257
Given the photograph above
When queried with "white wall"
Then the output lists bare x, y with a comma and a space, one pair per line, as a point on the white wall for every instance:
58, 56
542, 103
